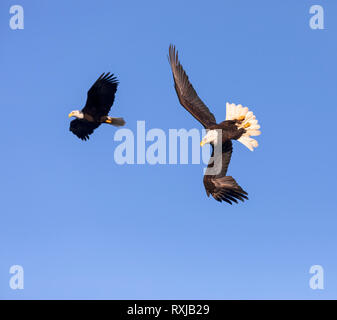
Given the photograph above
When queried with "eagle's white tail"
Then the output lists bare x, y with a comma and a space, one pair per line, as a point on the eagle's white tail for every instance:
247, 121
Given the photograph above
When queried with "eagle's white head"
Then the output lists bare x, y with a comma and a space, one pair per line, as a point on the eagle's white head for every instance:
76, 113
211, 136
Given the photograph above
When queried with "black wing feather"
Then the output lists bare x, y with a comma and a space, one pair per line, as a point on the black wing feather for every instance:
83, 128
101, 96
186, 93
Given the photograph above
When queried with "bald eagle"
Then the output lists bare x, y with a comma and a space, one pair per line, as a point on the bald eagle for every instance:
240, 124
100, 98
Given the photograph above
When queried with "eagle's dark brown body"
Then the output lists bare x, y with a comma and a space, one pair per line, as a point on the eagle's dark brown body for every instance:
229, 130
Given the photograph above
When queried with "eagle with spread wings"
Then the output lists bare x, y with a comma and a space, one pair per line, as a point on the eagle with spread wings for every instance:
101, 97
240, 124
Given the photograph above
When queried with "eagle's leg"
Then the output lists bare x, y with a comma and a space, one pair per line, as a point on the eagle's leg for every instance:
106, 119
118, 122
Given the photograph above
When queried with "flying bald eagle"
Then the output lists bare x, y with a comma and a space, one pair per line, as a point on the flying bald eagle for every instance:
239, 125
100, 98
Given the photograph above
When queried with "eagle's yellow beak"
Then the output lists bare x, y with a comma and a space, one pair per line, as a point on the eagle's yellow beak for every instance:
70, 115
202, 143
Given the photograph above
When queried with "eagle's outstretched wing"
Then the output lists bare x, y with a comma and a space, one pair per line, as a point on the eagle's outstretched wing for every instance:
186, 93
101, 96
220, 186
83, 128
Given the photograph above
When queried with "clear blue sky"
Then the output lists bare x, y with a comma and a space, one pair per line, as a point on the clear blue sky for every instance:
84, 227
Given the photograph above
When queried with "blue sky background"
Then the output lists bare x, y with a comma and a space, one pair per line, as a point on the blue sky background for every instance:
84, 227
